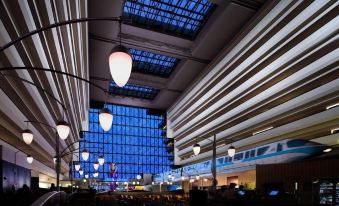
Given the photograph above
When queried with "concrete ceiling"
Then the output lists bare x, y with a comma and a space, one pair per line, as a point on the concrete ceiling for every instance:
281, 73
194, 56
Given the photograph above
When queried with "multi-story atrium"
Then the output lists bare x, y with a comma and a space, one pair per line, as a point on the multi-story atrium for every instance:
169, 102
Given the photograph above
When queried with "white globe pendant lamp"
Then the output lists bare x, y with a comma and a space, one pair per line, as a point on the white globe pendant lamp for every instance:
54, 159
86, 176
231, 151
196, 149
63, 129
105, 119
81, 172
101, 160
29, 159
77, 166
96, 165
120, 65
85, 155
27, 136
96, 174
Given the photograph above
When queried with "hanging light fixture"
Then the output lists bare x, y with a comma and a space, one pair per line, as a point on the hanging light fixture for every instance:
197, 177
96, 165
196, 149
231, 151
85, 155
105, 119
81, 172
101, 160
120, 63
86, 176
27, 136
54, 159
63, 129
29, 159
77, 166
182, 178
96, 174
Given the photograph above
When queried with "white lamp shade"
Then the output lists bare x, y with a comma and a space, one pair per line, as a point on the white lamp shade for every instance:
106, 119
96, 174
63, 129
54, 160
30, 159
86, 176
81, 172
196, 149
101, 160
231, 151
85, 155
96, 165
27, 136
120, 64
197, 177
77, 167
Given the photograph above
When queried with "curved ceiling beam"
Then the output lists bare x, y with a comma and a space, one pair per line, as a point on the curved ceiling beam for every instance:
53, 71
73, 21
37, 86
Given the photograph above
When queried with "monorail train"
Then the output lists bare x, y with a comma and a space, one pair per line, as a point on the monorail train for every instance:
278, 152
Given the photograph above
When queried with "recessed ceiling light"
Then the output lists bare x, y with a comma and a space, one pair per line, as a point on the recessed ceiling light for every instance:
333, 105
327, 150
261, 131
333, 131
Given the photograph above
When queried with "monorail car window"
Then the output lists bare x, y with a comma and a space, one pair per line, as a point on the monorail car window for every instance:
247, 154
252, 154
238, 157
228, 159
262, 150
220, 160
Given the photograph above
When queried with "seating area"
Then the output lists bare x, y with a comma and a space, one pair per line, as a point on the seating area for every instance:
141, 199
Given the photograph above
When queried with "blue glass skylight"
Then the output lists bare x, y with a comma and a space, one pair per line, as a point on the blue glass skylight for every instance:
151, 63
183, 18
133, 90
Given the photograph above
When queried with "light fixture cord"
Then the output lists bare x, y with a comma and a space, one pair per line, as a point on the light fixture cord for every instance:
120, 19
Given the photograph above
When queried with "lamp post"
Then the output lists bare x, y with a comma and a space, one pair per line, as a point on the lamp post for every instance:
57, 168
196, 150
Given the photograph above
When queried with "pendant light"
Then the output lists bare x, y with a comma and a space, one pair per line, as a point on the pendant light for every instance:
54, 159
96, 174
120, 63
196, 149
81, 172
96, 165
231, 151
29, 159
85, 155
27, 135
77, 166
105, 119
197, 177
101, 160
86, 176
63, 129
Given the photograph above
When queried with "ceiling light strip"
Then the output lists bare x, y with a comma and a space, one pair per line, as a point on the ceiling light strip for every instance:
261, 131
